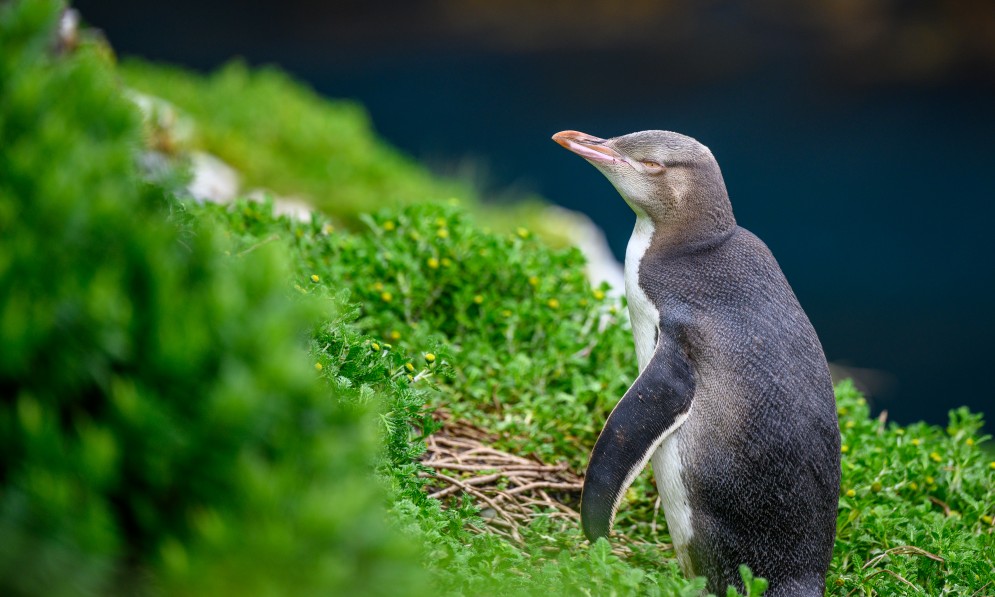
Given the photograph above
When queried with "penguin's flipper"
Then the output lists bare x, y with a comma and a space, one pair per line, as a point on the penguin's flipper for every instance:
656, 404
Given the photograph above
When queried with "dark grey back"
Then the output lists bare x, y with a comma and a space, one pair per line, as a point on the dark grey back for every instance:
760, 449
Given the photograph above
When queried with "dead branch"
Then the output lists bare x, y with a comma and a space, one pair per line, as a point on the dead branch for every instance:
513, 490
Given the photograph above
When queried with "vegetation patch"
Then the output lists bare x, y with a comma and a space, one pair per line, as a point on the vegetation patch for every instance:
917, 501
204, 399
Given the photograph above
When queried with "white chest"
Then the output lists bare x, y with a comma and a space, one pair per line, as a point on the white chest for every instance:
643, 314
667, 467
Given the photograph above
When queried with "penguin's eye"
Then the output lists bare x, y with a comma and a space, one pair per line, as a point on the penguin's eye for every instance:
653, 167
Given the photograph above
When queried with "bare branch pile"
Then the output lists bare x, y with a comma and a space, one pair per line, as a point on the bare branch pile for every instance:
510, 490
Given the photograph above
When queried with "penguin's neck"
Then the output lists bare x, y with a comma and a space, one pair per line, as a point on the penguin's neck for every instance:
643, 314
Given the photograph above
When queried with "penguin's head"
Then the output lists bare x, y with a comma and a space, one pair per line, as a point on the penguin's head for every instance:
670, 178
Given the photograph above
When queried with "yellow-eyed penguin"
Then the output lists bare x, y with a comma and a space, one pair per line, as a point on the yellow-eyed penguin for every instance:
733, 405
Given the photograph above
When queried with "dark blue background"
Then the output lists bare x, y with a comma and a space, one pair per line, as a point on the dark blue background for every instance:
876, 195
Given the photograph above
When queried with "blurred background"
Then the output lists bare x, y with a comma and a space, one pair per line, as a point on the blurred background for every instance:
854, 135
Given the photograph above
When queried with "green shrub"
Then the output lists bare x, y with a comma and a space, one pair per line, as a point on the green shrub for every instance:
517, 366
160, 424
162, 428
281, 136
444, 306
919, 486
517, 332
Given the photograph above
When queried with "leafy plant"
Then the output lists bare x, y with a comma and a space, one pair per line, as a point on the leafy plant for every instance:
917, 504
282, 136
500, 353
158, 414
186, 390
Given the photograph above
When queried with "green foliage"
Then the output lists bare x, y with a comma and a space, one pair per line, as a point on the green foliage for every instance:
527, 348
280, 135
432, 341
512, 363
919, 486
158, 415
185, 389
753, 586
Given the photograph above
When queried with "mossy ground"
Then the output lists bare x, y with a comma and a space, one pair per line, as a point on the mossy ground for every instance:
205, 399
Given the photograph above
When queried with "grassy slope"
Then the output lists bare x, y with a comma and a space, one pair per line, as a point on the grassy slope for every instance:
161, 429
511, 343
283, 137
522, 346
501, 311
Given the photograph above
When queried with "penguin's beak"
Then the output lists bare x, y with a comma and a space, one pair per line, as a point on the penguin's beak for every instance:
589, 147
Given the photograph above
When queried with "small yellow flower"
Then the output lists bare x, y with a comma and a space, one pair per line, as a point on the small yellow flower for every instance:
876, 487
534, 280
522, 232
986, 519
375, 346
850, 493
970, 441
842, 411
446, 262
318, 367
429, 357
386, 297
599, 295
506, 313
992, 465
389, 225
442, 233
583, 302
930, 481
915, 441
378, 286
844, 448
850, 425
395, 335
913, 486
411, 378
899, 431
935, 457
433, 263
478, 299
315, 278
409, 366
553, 303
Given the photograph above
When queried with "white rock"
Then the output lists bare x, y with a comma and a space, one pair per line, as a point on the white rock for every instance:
213, 180
293, 207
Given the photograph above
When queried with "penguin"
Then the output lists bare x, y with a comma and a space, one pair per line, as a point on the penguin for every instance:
734, 405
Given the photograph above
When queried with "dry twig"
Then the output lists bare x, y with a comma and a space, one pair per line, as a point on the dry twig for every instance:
513, 490
903, 550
